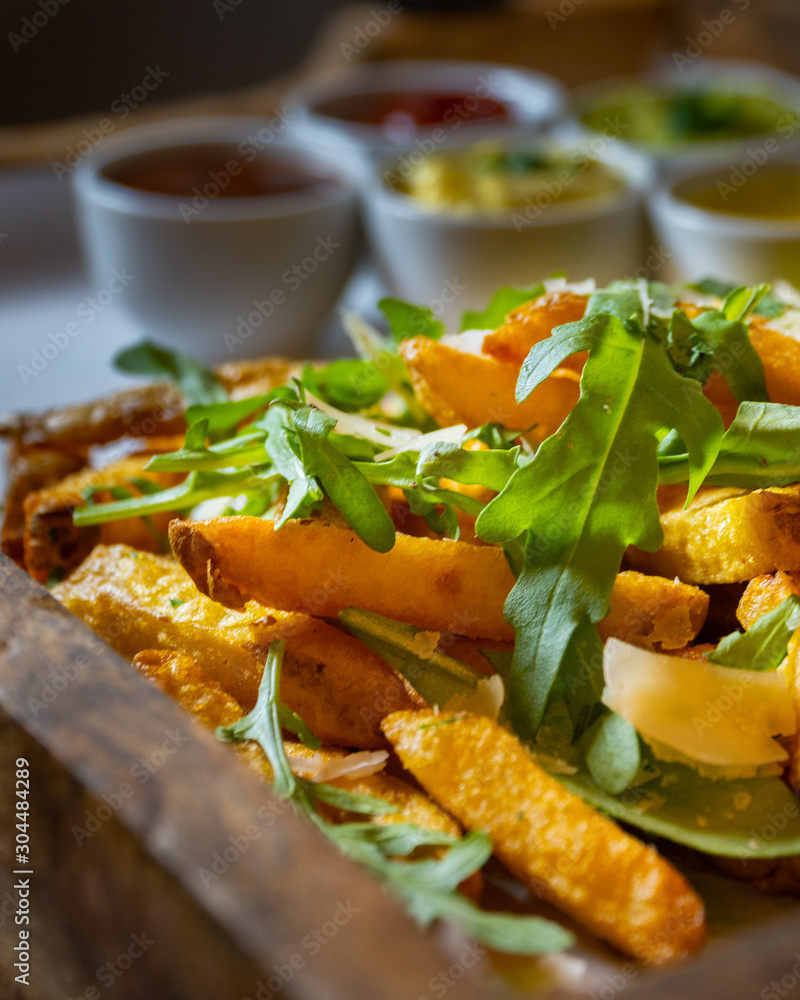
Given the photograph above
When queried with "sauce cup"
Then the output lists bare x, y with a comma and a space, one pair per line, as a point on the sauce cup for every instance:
230, 240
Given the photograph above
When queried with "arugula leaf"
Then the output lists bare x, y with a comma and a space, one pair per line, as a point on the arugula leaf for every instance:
282, 446
613, 753
347, 487
245, 449
406, 320
428, 887
731, 818
759, 450
263, 724
719, 340
197, 486
588, 493
500, 305
432, 673
197, 384
226, 416
348, 384
763, 646
768, 305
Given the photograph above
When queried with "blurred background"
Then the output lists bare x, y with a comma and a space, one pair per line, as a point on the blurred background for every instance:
87, 53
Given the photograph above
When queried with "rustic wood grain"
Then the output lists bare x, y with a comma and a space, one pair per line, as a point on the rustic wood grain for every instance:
94, 720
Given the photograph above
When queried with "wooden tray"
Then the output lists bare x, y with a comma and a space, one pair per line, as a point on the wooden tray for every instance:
133, 802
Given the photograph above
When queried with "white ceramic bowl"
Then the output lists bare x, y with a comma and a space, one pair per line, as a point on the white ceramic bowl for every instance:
535, 99
453, 263
704, 243
220, 277
736, 76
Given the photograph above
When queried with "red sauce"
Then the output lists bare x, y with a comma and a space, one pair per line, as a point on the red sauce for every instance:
185, 170
403, 111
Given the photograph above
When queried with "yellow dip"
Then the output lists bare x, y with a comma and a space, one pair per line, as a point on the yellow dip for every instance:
480, 181
771, 193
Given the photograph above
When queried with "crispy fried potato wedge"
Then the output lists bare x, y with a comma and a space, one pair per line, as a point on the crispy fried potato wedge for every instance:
155, 408
456, 387
532, 322
780, 357
29, 470
146, 410
184, 680
727, 536
764, 593
135, 601
53, 543
615, 885
444, 586
320, 568
654, 612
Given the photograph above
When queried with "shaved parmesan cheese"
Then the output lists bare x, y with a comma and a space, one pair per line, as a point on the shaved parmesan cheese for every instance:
487, 699
467, 342
699, 713
353, 765
446, 434
369, 430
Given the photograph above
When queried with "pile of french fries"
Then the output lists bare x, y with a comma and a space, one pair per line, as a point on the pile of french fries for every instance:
198, 620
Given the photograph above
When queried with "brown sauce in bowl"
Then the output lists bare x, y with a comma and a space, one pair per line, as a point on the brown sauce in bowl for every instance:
234, 172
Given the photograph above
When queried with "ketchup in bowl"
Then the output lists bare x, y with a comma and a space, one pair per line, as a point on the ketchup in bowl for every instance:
236, 171
399, 113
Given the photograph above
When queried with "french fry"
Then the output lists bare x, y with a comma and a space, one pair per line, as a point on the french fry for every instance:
440, 585
146, 410
654, 612
135, 600
182, 678
780, 358
764, 593
53, 543
436, 584
29, 470
155, 408
532, 322
563, 850
456, 387
727, 536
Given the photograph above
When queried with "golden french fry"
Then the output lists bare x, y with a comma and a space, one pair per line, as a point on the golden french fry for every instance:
440, 585
532, 322
456, 387
764, 593
135, 601
53, 542
183, 679
29, 470
435, 584
654, 612
727, 536
615, 885
155, 408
